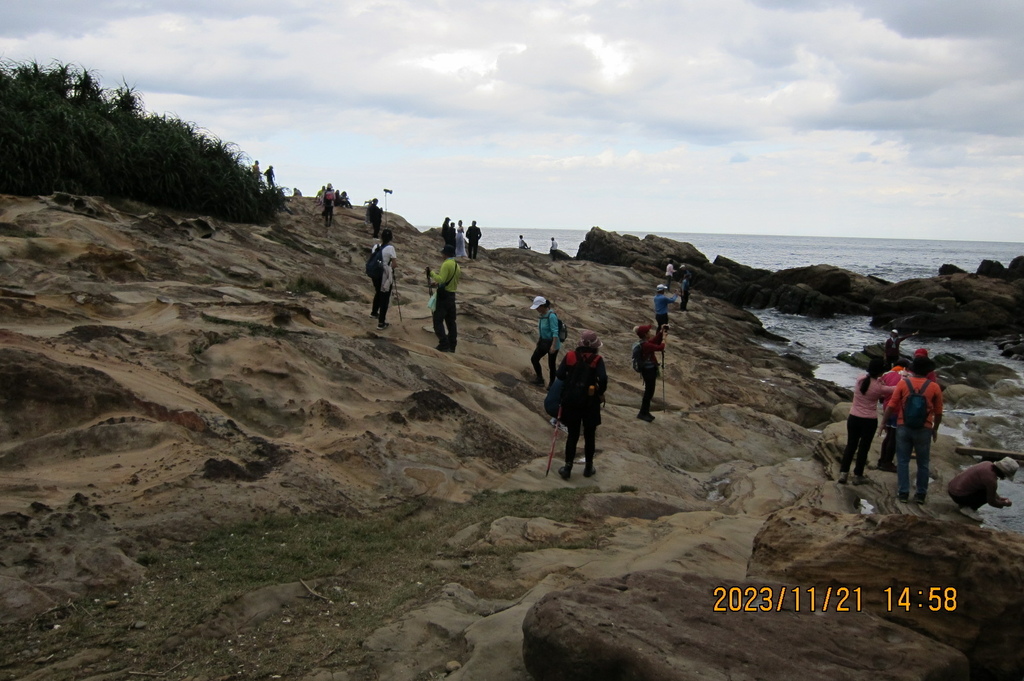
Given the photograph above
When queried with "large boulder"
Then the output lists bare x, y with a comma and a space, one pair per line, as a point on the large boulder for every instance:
661, 626
817, 291
956, 305
876, 553
649, 255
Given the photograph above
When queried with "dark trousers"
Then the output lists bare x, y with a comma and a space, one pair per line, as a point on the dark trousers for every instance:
973, 500
328, 214
888, 453
686, 299
377, 281
650, 375
376, 228
444, 316
573, 423
543, 348
859, 433
661, 319
473, 245
381, 303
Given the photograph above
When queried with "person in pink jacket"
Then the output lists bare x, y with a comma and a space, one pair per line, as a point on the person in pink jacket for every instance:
863, 420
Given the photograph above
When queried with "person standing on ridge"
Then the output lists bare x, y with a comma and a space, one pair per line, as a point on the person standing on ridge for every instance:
384, 285
684, 288
554, 247
460, 242
547, 342
584, 380
328, 212
976, 486
473, 239
661, 302
374, 215
670, 273
863, 420
446, 281
269, 174
892, 347
649, 349
918, 403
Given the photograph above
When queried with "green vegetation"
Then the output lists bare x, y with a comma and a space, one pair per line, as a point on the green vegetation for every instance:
373, 569
60, 131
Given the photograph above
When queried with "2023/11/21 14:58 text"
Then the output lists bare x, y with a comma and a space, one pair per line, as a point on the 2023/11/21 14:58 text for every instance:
831, 599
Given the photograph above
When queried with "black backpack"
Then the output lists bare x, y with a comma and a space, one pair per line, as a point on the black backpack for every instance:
375, 265
581, 382
563, 332
638, 357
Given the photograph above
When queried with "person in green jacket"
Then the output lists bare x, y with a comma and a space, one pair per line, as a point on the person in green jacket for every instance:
547, 343
446, 281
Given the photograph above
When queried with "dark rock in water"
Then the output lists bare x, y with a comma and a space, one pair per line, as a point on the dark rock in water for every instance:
650, 254
663, 626
956, 305
976, 373
816, 291
809, 546
857, 359
951, 269
991, 268
1016, 269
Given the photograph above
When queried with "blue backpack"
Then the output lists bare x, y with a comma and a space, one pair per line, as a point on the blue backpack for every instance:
915, 409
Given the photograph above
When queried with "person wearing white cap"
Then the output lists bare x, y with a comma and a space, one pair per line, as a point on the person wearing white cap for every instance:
976, 486
661, 302
892, 348
547, 342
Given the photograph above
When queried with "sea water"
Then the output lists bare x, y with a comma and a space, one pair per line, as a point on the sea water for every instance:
820, 340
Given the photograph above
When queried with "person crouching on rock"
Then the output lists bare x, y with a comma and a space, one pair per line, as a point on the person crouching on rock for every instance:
547, 343
976, 486
649, 349
584, 380
863, 419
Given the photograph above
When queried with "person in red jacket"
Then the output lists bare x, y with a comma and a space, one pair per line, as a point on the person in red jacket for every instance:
649, 349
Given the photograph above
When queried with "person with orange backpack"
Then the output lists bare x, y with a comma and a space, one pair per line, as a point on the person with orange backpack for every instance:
584, 381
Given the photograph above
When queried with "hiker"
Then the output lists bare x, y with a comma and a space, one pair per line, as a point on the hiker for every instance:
473, 239
863, 420
446, 281
918, 403
256, 171
554, 247
328, 212
892, 347
269, 174
649, 347
373, 216
385, 282
342, 200
670, 273
320, 195
888, 450
547, 341
460, 242
976, 486
661, 302
448, 232
522, 242
684, 288
584, 379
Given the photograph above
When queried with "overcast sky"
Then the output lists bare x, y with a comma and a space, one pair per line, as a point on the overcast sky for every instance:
886, 118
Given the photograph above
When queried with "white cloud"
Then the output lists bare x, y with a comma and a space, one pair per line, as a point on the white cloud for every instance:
737, 115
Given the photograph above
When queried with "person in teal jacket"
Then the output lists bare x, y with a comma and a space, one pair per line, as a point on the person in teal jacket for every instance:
547, 343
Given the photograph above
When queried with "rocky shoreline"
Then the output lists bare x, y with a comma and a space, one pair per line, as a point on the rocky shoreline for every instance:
166, 374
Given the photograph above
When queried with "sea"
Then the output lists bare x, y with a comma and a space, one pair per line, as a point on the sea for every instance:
819, 341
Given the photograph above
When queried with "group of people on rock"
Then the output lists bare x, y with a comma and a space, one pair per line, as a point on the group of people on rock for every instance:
466, 242
912, 413
329, 198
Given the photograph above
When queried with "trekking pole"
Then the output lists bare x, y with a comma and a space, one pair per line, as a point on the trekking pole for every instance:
558, 420
398, 298
664, 402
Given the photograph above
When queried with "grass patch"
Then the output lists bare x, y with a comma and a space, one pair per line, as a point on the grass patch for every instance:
307, 284
373, 568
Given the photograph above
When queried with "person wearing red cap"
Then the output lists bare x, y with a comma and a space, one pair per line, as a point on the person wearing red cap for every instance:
649, 347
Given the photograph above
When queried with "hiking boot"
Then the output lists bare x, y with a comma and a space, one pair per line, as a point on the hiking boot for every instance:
565, 472
842, 478
645, 416
538, 381
442, 348
374, 314
919, 499
860, 480
903, 497
381, 327
971, 513
589, 470
887, 467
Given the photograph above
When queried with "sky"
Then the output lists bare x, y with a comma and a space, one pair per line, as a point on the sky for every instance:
874, 118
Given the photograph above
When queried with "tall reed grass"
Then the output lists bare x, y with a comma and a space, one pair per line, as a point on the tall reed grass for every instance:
61, 131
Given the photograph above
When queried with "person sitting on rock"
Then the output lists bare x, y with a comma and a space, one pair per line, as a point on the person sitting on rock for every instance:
976, 486
522, 242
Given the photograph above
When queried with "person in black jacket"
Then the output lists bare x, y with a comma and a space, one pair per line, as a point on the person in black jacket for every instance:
374, 214
473, 238
584, 381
